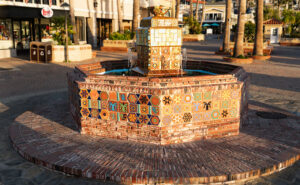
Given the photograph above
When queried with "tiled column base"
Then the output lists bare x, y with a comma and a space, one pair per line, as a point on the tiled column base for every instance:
48, 137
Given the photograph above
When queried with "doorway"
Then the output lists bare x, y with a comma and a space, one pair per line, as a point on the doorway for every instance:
104, 28
22, 36
274, 35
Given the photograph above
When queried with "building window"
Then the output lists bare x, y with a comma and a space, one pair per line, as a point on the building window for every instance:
81, 28
5, 34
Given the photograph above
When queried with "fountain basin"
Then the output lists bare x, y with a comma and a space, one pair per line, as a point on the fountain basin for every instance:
159, 110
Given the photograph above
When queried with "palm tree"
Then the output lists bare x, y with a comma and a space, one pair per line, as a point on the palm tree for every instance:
239, 43
197, 9
202, 14
258, 45
226, 41
120, 16
136, 11
177, 8
191, 9
73, 22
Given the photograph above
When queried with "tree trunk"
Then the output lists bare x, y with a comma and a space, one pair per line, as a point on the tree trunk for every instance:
226, 41
136, 13
191, 9
120, 16
177, 8
202, 14
73, 22
258, 45
239, 43
197, 9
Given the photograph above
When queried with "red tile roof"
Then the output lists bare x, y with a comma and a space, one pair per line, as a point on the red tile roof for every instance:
272, 21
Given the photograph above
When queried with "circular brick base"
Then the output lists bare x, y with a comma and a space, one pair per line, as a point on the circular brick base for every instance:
256, 57
47, 136
239, 60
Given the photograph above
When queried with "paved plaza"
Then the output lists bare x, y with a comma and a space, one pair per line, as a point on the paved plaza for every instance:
26, 86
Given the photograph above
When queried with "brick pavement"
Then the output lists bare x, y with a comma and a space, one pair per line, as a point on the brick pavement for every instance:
280, 93
47, 136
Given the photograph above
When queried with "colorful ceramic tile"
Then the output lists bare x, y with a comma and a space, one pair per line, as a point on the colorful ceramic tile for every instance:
234, 103
197, 117
104, 104
132, 98
216, 95
155, 110
113, 106
197, 107
187, 98
94, 113
215, 114
123, 117
132, 117
84, 103
94, 95
167, 100
224, 113
143, 119
84, 93
155, 100
225, 104
103, 95
113, 116
133, 108
187, 107
216, 104
84, 112
177, 99
123, 107
177, 118
207, 95
167, 109
143, 99
167, 120
187, 117
207, 105
235, 94
197, 96
207, 116
226, 94
177, 108
233, 113
113, 96
154, 120
144, 109
122, 97
94, 104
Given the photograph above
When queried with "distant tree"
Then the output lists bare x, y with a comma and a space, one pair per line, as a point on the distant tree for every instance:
239, 43
197, 11
259, 35
226, 41
136, 12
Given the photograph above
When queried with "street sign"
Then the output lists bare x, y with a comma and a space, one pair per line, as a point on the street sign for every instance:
47, 12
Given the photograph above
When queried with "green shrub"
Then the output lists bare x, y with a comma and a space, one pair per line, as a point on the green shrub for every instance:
194, 25
59, 31
127, 35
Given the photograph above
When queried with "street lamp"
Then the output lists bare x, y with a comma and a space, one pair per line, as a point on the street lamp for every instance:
65, 6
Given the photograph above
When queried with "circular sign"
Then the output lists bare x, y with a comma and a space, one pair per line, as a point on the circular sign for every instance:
47, 12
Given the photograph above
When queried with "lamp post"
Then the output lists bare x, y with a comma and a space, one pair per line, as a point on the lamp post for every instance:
65, 6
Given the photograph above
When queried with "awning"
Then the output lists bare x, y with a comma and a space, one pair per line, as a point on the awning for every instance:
214, 24
205, 25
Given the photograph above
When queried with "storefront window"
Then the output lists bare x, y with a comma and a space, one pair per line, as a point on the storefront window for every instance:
80, 26
5, 34
45, 30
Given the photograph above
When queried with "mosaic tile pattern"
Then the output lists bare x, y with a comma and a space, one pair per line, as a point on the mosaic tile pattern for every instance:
134, 108
159, 44
200, 106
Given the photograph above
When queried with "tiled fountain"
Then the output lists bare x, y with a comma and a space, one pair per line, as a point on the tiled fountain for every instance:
157, 100
132, 117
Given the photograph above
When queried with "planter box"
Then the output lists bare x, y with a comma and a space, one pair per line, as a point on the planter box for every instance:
193, 37
76, 53
116, 45
290, 42
7, 53
248, 48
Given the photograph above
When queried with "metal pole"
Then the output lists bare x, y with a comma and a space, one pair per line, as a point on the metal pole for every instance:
67, 39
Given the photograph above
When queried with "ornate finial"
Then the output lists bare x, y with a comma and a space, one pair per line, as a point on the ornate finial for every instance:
160, 11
